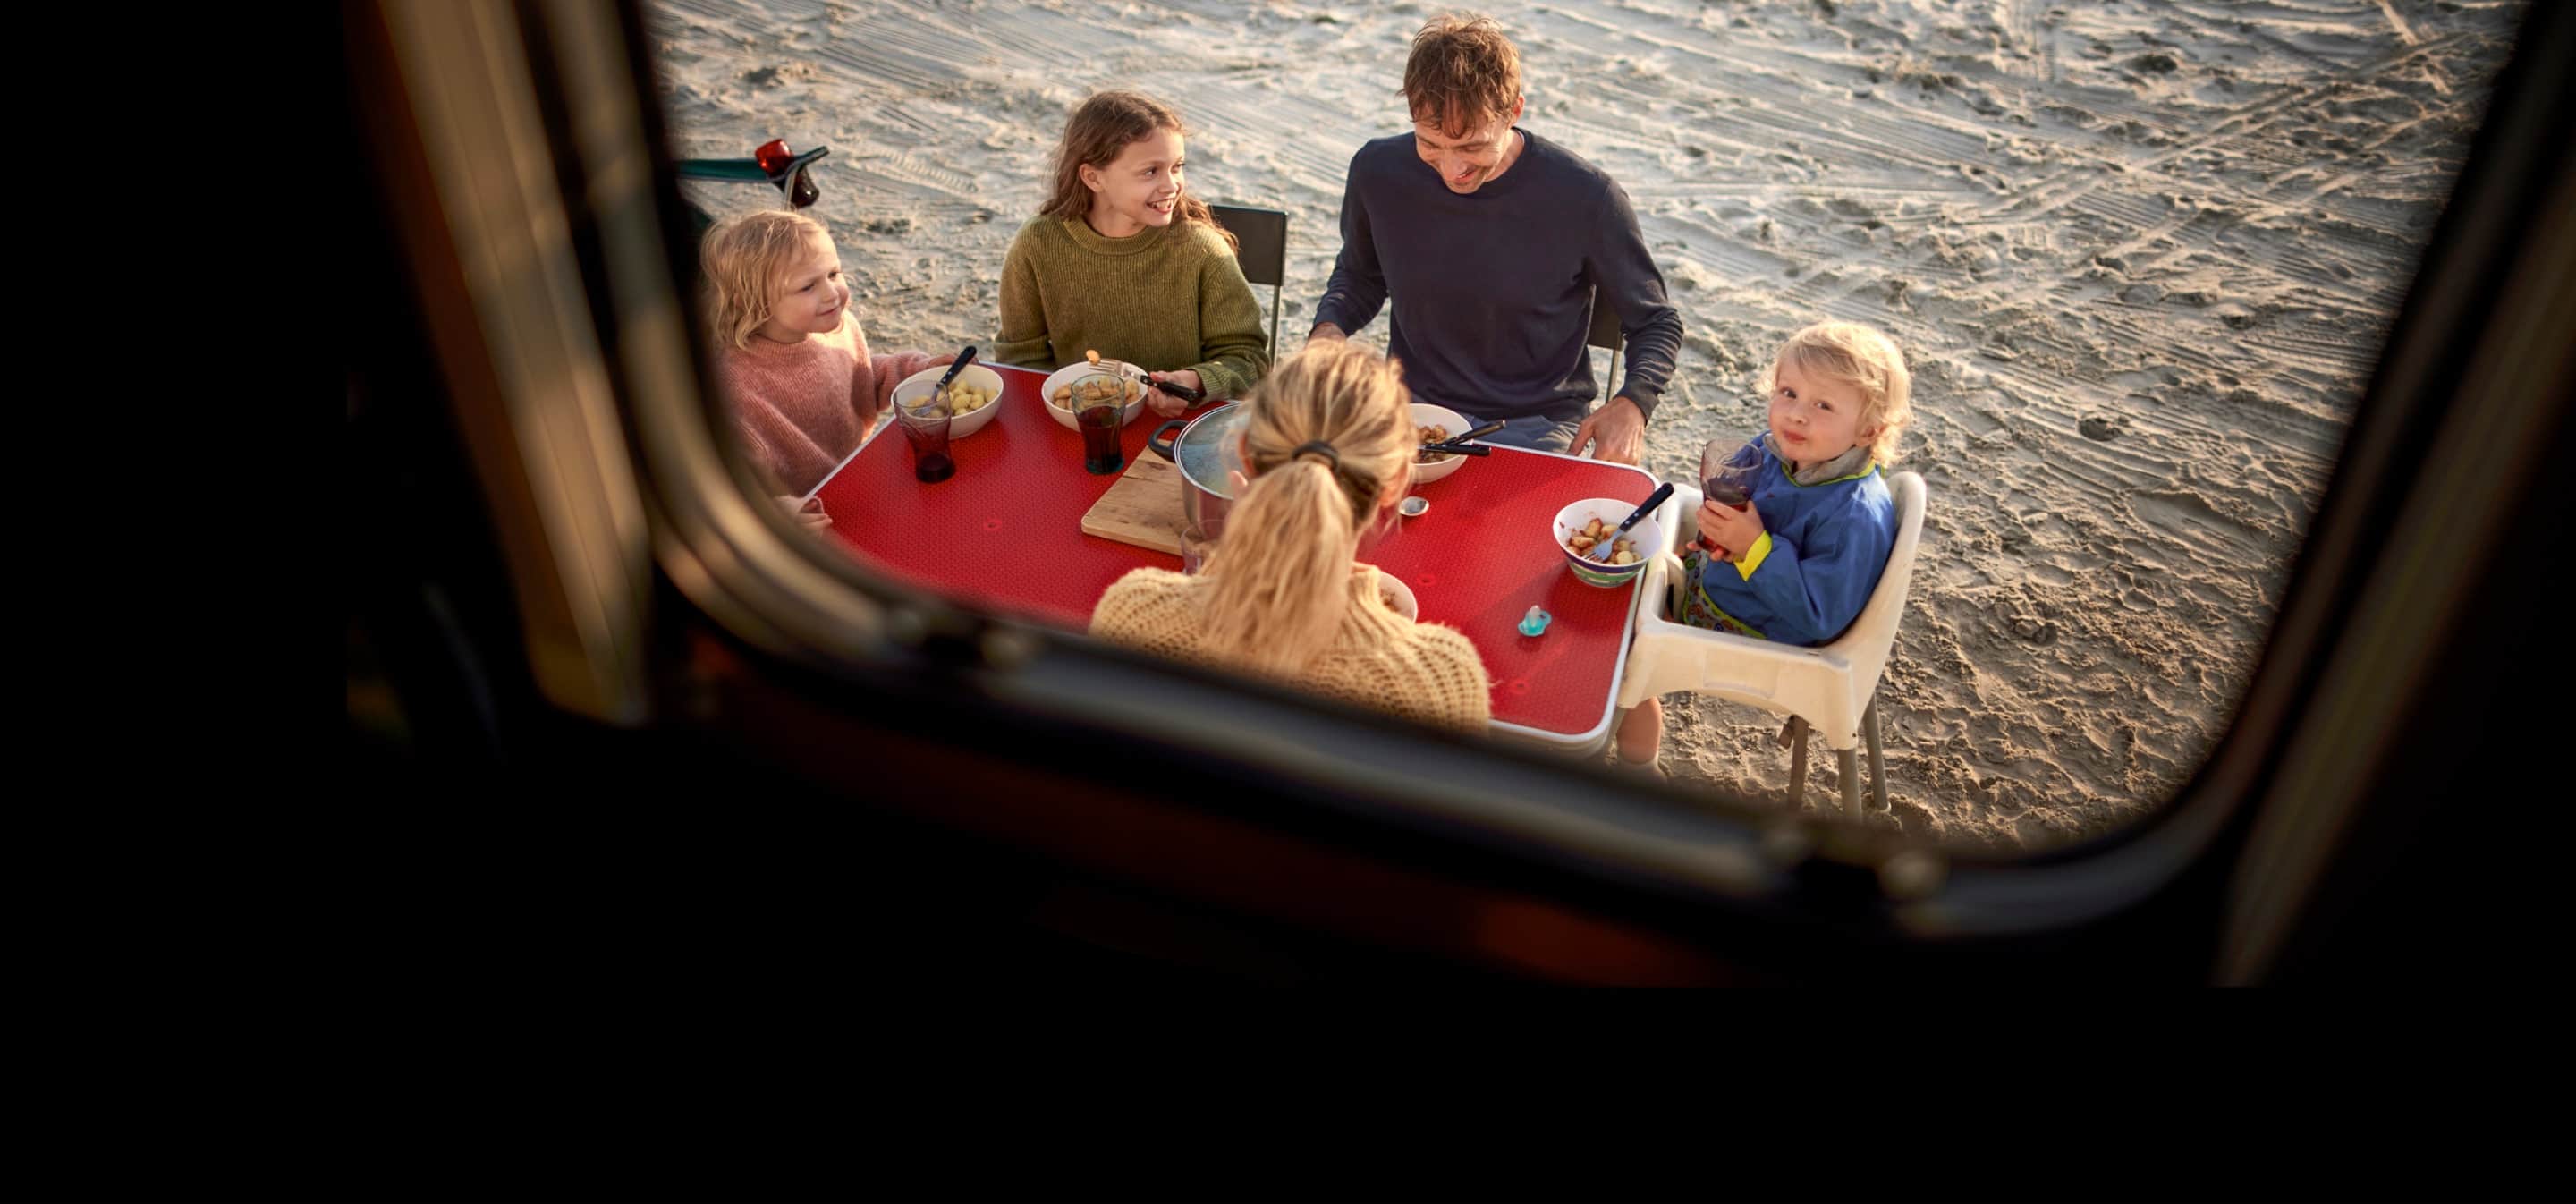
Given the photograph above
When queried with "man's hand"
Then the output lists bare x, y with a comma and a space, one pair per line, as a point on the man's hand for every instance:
1325, 330
1617, 433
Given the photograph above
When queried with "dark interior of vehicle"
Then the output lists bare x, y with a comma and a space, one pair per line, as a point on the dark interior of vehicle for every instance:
783, 818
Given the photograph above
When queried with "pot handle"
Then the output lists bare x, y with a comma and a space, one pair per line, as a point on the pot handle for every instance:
1163, 447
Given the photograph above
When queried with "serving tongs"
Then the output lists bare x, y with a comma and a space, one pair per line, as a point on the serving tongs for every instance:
1460, 445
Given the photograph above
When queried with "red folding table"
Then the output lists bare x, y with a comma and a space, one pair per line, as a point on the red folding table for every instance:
1005, 534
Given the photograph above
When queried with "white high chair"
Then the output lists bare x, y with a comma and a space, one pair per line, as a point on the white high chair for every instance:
1832, 688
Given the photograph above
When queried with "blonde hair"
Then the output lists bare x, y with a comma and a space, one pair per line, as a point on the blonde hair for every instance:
1099, 129
1279, 579
1462, 73
1866, 360
744, 257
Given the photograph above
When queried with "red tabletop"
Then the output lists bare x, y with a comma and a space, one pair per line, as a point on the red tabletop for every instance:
1005, 534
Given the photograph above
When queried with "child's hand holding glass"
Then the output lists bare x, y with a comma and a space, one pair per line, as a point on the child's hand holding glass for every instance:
1727, 531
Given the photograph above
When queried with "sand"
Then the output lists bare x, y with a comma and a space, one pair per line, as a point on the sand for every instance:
2141, 257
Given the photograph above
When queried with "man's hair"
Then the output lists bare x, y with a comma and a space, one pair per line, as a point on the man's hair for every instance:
1462, 74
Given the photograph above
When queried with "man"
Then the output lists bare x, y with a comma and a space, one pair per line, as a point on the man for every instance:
1490, 240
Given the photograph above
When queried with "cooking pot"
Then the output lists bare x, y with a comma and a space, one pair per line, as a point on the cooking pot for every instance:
1208, 450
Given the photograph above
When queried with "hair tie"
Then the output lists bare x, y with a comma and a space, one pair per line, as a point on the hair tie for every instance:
1318, 445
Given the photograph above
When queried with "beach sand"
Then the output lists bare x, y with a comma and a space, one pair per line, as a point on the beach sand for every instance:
2141, 257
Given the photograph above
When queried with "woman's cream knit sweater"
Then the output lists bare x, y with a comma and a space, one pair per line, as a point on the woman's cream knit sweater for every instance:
1378, 658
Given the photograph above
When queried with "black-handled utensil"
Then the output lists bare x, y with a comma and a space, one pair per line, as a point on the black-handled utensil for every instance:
1644, 508
1179, 390
1454, 440
1463, 445
958, 365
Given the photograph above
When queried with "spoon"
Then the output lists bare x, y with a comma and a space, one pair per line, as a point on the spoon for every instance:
955, 366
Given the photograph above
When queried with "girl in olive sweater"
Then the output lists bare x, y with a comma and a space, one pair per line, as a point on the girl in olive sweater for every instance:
1123, 261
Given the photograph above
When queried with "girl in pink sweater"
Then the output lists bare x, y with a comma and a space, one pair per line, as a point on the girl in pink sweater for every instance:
789, 351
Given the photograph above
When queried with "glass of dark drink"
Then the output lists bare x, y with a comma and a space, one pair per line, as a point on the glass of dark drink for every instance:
1098, 421
1727, 474
926, 429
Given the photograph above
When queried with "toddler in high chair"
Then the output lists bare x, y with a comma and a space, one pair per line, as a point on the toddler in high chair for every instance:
1799, 560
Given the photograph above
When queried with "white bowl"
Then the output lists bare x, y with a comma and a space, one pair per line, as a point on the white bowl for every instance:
1426, 414
1398, 595
1067, 375
1648, 533
915, 389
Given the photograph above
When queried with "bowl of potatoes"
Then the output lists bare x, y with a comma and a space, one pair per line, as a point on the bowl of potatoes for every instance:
1058, 391
970, 401
1581, 528
1432, 423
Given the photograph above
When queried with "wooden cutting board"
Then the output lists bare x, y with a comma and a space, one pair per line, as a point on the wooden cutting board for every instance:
1142, 508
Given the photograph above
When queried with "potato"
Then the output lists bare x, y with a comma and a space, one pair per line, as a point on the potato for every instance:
1431, 434
1624, 558
1094, 389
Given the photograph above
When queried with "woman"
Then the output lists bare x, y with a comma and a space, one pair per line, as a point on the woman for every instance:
1328, 443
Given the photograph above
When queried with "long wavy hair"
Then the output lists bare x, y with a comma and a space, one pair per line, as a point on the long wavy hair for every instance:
744, 257
1099, 129
1279, 580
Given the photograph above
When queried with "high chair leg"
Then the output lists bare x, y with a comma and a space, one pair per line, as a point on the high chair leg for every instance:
1877, 765
1676, 587
1850, 758
1797, 733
